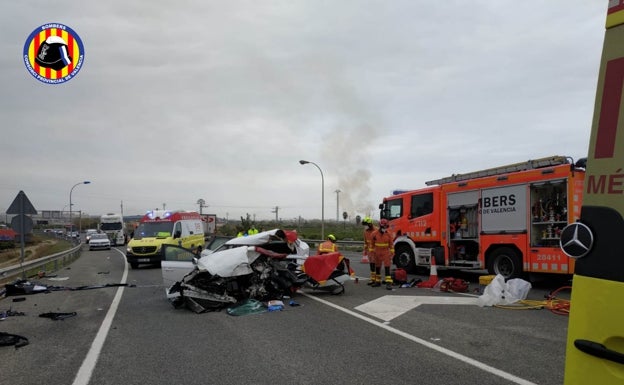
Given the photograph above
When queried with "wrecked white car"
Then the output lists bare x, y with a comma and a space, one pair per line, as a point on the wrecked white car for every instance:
178, 262
262, 267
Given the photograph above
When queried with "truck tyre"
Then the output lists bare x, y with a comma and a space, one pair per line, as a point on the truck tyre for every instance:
506, 262
404, 258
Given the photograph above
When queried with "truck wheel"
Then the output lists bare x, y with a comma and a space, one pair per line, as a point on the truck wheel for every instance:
506, 262
404, 258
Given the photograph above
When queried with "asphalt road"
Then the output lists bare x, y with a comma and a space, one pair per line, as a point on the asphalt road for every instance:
132, 335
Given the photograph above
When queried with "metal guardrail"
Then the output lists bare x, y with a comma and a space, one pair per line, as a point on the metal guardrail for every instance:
49, 263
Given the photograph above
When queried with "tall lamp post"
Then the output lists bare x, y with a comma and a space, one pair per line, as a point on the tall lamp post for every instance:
71, 226
322, 197
337, 204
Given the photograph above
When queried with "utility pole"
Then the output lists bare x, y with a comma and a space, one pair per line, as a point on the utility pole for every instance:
276, 211
337, 204
202, 204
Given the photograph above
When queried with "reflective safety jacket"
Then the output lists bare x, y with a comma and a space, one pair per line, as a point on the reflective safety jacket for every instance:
327, 247
368, 241
383, 244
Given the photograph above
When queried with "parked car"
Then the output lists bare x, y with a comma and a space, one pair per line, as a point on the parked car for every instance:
178, 261
90, 232
99, 241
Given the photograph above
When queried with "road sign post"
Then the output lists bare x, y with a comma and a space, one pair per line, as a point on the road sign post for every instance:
21, 206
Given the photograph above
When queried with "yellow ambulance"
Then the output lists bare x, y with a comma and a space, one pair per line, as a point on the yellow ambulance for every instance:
160, 227
595, 346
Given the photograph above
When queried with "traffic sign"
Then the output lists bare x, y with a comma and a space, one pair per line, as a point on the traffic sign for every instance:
19, 220
21, 205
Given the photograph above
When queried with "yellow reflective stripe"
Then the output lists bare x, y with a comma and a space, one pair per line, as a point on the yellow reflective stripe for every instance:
381, 244
615, 16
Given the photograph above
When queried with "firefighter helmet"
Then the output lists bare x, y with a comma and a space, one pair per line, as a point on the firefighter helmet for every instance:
331, 237
367, 221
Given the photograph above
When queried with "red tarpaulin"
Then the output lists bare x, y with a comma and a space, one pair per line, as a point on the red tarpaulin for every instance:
320, 267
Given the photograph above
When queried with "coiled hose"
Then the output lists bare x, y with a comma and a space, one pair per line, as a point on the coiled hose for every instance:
552, 302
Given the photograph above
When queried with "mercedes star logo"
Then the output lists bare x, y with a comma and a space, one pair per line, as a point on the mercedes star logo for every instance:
576, 240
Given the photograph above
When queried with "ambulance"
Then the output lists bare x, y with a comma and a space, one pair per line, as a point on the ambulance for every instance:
159, 227
595, 345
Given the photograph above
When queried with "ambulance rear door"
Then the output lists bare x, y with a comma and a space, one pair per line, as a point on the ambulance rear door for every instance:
595, 345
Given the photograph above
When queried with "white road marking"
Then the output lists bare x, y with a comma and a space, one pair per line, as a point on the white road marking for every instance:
389, 307
479, 365
86, 369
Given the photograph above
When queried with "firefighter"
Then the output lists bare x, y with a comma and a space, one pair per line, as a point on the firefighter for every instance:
252, 230
368, 248
383, 248
329, 246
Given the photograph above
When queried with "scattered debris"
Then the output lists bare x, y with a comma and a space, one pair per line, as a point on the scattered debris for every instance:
23, 287
58, 316
275, 305
10, 313
7, 339
248, 306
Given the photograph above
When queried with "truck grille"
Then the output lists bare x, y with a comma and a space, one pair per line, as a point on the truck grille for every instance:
144, 250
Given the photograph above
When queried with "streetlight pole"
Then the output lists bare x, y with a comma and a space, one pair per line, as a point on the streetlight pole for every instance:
71, 226
337, 204
322, 196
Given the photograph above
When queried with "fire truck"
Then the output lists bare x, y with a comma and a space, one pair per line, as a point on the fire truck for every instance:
505, 219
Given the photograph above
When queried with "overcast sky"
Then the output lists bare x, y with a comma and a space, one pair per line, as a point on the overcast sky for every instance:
219, 100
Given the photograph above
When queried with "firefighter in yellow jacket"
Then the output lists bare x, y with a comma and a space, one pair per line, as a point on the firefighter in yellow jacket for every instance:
383, 248
329, 246
368, 248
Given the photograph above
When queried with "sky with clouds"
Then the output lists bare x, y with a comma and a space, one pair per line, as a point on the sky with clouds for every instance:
219, 100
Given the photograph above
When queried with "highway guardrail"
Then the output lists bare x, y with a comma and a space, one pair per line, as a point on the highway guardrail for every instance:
31, 268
